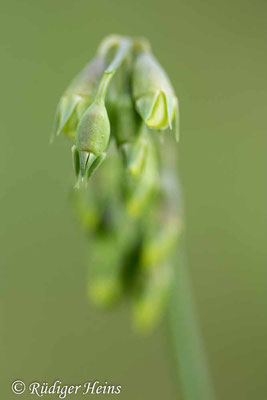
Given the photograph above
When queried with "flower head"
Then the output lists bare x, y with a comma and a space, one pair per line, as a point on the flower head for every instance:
129, 210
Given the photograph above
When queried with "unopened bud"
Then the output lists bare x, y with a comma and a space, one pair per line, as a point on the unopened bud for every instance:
154, 96
93, 130
92, 136
77, 97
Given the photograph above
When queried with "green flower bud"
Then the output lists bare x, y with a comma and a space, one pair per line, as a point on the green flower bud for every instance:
154, 96
94, 130
92, 138
81, 91
86, 82
78, 96
151, 297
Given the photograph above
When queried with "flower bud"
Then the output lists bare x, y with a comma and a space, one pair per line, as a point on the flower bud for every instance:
154, 96
92, 136
94, 130
78, 96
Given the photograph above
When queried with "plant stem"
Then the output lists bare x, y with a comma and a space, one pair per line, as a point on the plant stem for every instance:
102, 89
124, 46
186, 340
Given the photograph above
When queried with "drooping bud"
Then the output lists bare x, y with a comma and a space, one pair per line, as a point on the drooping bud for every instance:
154, 96
93, 130
77, 97
81, 91
92, 134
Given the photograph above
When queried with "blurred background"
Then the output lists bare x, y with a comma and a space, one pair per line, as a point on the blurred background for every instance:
215, 54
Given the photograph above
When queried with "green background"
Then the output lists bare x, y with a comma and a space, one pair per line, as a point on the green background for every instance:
215, 54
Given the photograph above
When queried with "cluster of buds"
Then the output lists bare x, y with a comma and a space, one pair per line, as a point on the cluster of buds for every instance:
121, 102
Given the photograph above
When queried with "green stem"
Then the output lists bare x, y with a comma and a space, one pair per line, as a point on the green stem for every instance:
102, 88
123, 50
108, 43
188, 348
124, 47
